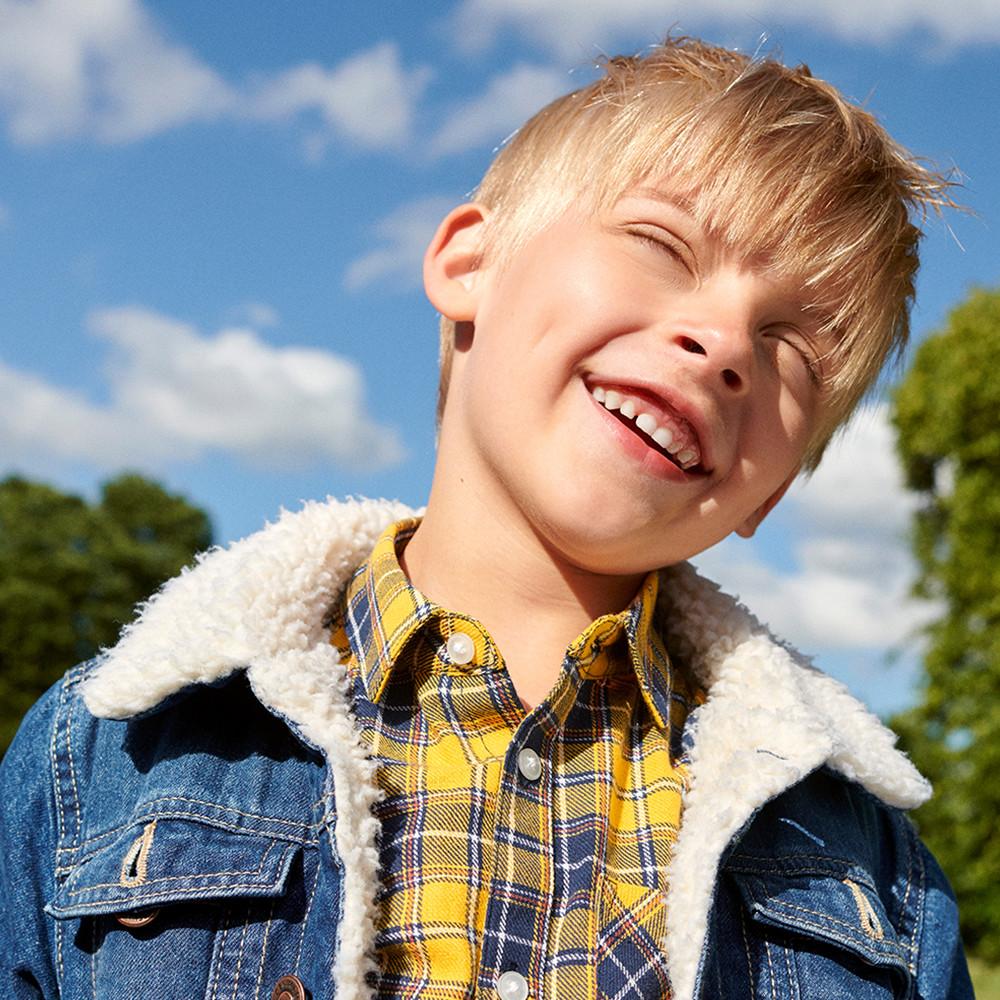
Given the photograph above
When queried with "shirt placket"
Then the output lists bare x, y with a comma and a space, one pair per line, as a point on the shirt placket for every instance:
519, 911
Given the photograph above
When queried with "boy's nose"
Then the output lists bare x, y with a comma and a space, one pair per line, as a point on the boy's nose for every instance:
727, 352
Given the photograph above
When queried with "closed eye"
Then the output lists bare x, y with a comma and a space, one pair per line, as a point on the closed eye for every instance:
664, 242
793, 338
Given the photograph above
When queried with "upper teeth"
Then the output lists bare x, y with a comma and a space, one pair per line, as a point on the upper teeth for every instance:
669, 435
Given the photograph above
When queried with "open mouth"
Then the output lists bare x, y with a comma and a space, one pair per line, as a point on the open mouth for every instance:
663, 431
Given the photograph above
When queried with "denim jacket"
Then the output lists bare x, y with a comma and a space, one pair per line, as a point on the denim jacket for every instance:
191, 813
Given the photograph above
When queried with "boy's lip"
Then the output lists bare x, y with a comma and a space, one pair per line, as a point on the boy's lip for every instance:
662, 402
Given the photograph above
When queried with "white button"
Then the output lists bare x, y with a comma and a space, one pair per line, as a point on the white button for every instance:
529, 764
460, 647
512, 986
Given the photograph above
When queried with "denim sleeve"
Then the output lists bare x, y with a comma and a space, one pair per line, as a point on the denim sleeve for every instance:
942, 971
28, 839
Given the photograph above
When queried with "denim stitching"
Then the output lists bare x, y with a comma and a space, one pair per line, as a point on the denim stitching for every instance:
793, 980
53, 759
57, 795
167, 816
141, 897
305, 918
904, 914
222, 953
239, 960
823, 863
828, 919
136, 856
918, 921
60, 819
147, 814
177, 878
97, 904
64, 709
770, 970
826, 873
735, 861
870, 922
59, 955
230, 828
150, 811
90, 840
323, 798
72, 768
746, 947
263, 948
230, 809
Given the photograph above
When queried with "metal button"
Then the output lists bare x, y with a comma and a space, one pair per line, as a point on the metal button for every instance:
137, 918
512, 986
529, 764
288, 988
461, 648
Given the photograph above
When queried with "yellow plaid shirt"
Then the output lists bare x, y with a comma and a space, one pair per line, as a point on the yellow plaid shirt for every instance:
512, 841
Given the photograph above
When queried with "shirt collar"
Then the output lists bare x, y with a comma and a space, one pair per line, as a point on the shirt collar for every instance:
647, 654
383, 611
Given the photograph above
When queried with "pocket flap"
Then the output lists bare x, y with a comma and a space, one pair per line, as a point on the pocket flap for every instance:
169, 860
842, 912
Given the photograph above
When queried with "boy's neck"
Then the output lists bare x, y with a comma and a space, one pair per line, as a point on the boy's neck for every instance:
483, 559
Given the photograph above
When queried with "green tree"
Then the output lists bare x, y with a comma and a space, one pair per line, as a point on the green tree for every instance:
947, 414
72, 572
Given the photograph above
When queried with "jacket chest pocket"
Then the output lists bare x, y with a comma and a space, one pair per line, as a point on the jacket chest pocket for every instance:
815, 935
179, 908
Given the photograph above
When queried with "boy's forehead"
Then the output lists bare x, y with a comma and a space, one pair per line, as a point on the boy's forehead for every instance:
665, 190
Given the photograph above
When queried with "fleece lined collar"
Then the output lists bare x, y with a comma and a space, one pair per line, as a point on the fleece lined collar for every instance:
261, 605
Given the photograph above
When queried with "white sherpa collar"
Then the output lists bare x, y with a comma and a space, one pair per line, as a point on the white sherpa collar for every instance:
769, 720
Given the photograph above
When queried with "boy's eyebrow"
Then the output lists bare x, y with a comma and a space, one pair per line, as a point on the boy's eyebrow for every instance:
673, 200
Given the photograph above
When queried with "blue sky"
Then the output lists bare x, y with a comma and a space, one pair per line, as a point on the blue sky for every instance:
212, 215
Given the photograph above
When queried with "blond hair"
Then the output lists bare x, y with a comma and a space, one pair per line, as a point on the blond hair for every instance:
776, 162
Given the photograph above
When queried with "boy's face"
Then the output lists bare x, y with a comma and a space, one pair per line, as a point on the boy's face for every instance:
595, 321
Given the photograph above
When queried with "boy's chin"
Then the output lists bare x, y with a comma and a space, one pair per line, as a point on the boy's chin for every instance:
618, 562
609, 547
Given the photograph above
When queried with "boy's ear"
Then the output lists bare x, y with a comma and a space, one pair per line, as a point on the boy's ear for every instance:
453, 263
752, 523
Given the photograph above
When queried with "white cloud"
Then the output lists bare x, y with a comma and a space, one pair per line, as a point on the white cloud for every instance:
846, 531
508, 101
101, 68
106, 70
175, 394
859, 484
404, 234
370, 97
582, 29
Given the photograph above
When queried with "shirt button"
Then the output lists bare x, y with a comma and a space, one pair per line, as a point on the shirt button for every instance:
288, 988
512, 986
529, 764
460, 648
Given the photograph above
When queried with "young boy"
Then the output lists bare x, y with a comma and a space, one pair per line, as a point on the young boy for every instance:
499, 750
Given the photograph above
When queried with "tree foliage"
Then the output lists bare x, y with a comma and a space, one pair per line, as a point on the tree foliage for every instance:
947, 414
72, 572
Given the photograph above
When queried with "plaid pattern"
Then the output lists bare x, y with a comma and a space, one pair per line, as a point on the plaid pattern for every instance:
485, 871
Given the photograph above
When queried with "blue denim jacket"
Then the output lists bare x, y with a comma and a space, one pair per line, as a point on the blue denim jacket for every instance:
190, 815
